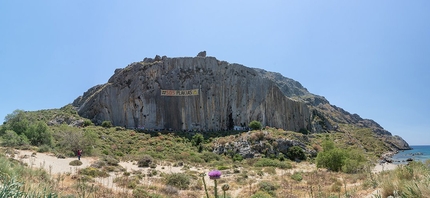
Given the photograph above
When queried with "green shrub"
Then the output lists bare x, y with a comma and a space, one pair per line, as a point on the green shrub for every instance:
268, 187
179, 180
263, 162
197, 139
38, 133
87, 123
297, 176
255, 125
337, 159
223, 167
296, 153
10, 138
145, 161
93, 172
107, 124
237, 157
140, 192
75, 163
210, 156
333, 159
43, 149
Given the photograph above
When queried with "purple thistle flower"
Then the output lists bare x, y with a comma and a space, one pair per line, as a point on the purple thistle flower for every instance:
215, 174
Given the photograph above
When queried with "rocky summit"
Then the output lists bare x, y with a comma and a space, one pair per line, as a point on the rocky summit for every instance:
205, 94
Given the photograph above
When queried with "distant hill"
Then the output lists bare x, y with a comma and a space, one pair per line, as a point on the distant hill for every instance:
205, 94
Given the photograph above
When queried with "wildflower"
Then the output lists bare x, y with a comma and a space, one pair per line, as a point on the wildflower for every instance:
215, 174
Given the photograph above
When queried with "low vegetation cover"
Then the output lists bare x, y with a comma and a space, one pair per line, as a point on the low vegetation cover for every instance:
344, 160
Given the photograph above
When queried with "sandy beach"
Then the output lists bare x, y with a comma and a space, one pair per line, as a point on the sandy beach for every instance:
384, 167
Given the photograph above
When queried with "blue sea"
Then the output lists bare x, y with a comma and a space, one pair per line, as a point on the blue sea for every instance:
418, 153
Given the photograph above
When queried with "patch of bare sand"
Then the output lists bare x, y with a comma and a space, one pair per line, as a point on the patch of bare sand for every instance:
51, 163
384, 167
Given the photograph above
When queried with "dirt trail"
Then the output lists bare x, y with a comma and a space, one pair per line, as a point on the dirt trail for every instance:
51, 163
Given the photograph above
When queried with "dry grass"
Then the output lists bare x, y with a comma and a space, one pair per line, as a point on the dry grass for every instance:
412, 180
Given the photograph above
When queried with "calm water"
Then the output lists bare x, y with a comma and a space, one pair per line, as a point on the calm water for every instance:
418, 153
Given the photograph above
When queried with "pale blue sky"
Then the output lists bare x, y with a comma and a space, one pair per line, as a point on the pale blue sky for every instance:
368, 57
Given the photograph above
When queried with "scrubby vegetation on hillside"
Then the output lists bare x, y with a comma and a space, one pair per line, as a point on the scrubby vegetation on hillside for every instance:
275, 170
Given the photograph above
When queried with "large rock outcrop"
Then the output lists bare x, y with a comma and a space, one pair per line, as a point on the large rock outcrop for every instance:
229, 96
205, 94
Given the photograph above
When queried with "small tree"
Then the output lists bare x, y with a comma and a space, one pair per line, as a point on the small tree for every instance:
255, 125
39, 134
333, 159
337, 159
71, 141
296, 153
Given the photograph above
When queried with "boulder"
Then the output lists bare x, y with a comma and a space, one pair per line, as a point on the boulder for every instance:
201, 54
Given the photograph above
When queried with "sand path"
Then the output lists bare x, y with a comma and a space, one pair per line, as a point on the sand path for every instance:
51, 163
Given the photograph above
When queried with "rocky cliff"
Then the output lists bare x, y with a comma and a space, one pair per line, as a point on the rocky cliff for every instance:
205, 94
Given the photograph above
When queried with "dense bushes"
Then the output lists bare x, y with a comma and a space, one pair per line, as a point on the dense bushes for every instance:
10, 138
337, 159
18, 131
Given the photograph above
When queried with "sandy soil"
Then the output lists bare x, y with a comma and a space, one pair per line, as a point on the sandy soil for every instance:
51, 163
384, 167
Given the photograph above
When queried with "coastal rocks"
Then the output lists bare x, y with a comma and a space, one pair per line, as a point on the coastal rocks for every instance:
396, 142
387, 157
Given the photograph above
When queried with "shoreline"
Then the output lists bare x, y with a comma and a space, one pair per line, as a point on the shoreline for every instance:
380, 167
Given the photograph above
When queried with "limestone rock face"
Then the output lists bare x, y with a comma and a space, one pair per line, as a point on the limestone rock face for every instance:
205, 94
229, 96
